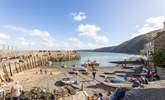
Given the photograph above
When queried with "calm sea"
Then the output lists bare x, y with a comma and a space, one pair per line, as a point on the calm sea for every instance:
100, 57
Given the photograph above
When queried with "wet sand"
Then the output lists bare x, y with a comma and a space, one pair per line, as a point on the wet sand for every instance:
33, 78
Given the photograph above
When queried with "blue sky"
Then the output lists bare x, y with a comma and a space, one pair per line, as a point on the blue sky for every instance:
76, 24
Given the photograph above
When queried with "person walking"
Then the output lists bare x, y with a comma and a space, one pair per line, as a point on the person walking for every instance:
94, 74
100, 96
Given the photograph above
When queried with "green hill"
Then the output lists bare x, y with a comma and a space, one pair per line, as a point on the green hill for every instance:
132, 46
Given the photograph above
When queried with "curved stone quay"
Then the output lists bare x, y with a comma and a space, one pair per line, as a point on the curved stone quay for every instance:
12, 62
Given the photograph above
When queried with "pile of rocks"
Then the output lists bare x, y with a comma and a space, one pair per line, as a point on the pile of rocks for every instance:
43, 94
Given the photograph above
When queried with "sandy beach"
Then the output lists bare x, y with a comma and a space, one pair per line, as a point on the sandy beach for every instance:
33, 78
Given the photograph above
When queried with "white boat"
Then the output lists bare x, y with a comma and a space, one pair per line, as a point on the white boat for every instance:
118, 85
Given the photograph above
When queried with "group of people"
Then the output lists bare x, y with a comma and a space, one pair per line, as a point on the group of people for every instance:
139, 81
100, 96
117, 94
152, 75
44, 71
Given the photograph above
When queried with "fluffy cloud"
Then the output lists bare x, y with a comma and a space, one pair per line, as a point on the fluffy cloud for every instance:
151, 24
48, 42
79, 16
75, 40
4, 36
101, 40
77, 44
92, 32
31, 32
88, 30
24, 42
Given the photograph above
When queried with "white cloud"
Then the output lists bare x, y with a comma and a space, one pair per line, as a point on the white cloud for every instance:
77, 44
79, 16
4, 36
24, 42
21, 43
48, 42
92, 32
75, 40
4, 39
88, 30
101, 40
31, 32
151, 24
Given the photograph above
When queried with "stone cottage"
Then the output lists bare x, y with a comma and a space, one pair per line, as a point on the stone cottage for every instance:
157, 44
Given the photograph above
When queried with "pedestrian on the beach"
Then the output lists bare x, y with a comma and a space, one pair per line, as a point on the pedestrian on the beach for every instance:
45, 71
94, 74
40, 71
100, 96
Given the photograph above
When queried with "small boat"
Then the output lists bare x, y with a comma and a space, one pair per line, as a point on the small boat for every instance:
90, 63
71, 81
67, 80
79, 69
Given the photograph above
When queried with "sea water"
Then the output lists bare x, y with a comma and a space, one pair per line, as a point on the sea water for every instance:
103, 58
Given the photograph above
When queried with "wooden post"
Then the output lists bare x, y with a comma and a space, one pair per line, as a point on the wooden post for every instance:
23, 66
30, 65
6, 73
27, 64
1, 77
32, 62
47, 57
41, 61
35, 61
10, 69
16, 67
20, 69
44, 60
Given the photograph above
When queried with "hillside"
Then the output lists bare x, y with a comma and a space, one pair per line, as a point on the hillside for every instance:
132, 46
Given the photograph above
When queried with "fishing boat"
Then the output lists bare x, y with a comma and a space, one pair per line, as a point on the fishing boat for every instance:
90, 63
